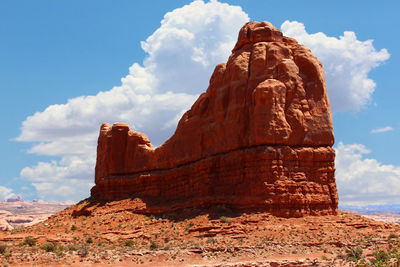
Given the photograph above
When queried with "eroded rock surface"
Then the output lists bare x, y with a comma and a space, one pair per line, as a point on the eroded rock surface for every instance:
259, 138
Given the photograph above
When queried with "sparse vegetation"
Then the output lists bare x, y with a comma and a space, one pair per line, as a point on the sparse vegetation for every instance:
210, 240
60, 253
381, 258
7, 254
72, 248
153, 245
393, 236
30, 241
2, 248
224, 219
83, 250
73, 227
48, 247
354, 254
89, 240
129, 243
189, 225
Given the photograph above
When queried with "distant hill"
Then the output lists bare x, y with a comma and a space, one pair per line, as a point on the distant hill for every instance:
15, 199
19, 213
392, 208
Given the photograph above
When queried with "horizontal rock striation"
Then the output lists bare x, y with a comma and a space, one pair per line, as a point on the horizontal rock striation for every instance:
259, 138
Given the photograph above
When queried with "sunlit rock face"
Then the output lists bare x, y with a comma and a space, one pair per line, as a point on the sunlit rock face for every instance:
259, 138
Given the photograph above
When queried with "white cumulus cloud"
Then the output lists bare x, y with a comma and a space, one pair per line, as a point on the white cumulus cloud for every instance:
180, 57
362, 180
5, 193
68, 179
382, 130
347, 62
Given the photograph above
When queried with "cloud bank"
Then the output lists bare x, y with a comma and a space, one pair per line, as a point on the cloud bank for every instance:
347, 63
180, 57
365, 181
5, 193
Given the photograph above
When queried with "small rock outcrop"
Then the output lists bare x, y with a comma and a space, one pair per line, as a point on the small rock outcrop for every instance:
259, 138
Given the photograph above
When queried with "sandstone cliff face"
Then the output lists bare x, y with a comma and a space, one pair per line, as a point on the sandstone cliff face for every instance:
260, 137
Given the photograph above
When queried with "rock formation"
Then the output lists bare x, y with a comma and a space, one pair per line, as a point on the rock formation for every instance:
259, 138
15, 199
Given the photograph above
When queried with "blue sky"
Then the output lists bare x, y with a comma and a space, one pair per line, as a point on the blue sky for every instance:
52, 52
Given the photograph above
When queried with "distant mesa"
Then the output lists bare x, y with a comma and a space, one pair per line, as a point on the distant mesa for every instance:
15, 199
259, 138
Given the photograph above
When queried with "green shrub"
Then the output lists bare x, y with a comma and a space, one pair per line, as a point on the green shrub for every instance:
73, 228
210, 240
2, 248
89, 240
30, 241
225, 219
129, 243
392, 236
189, 225
48, 247
59, 253
354, 254
381, 258
72, 248
153, 245
7, 254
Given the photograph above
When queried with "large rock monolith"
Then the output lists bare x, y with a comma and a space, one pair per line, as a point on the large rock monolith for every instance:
259, 138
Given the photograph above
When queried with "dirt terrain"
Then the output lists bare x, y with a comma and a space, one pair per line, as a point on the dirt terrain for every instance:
109, 233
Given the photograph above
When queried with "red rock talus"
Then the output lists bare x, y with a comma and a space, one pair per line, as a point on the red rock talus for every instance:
259, 138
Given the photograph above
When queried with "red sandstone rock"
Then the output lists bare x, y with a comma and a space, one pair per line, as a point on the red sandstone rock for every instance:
260, 137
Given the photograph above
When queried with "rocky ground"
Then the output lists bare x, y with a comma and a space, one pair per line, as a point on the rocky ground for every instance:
109, 233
